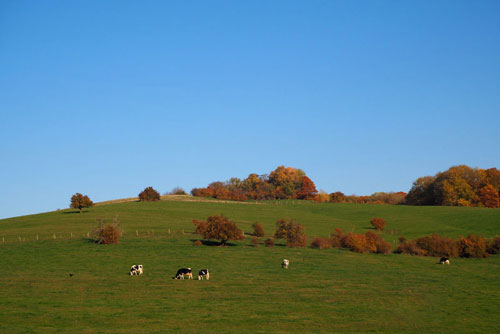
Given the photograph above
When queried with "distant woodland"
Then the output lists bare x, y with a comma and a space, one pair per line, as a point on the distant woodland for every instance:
458, 186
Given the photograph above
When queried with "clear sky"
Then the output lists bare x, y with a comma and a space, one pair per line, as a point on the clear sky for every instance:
106, 98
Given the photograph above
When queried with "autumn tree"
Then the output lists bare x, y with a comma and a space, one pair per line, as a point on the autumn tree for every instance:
292, 232
219, 228
337, 197
149, 194
79, 201
489, 196
258, 230
307, 189
286, 181
378, 223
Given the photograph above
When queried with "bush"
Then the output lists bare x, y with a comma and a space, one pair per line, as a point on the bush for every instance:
149, 194
105, 235
178, 191
197, 243
292, 232
370, 242
472, 246
258, 230
255, 241
269, 243
494, 246
321, 243
409, 248
378, 223
336, 238
438, 246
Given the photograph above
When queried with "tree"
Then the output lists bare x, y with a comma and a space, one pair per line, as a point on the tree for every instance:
258, 230
219, 228
488, 196
308, 189
149, 194
292, 232
378, 223
79, 201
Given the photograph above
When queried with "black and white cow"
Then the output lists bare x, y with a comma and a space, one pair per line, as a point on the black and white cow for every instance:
184, 272
285, 263
203, 273
136, 269
444, 260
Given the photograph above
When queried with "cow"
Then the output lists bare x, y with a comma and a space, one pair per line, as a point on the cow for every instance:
203, 273
184, 272
136, 269
444, 260
285, 263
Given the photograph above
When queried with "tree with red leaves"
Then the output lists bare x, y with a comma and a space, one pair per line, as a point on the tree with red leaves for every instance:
219, 228
308, 189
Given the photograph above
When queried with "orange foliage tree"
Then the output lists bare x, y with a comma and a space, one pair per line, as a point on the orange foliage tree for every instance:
378, 223
292, 232
218, 228
149, 194
488, 196
307, 190
79, 201
458, 186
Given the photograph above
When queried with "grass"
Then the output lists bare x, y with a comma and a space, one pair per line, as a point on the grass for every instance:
324, 291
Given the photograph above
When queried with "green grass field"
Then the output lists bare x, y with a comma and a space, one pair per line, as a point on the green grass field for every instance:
323, 291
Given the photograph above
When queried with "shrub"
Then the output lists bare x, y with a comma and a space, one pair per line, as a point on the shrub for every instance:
410, 248
269, 243
197, 243
494, 246
178, 191
219, 228
79, 201
292, 232
437, 246
336, 238
370, 242
378, 223
255, 241
109, 234
321, 243
258, 230
149, 194
472, 246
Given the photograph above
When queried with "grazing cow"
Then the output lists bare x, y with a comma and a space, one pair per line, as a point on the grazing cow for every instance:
136, 269
184, 272
444, 260
285, 263
203, 273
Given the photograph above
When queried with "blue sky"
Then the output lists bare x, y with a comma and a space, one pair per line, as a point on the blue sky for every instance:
106, 98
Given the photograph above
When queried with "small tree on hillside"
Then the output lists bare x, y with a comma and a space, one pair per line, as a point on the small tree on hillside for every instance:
149, 194
292, 232
378, 223
79, 201
219, 228
258, 230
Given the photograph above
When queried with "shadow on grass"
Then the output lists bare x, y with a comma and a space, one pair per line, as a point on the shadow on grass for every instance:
71, 212
213, 243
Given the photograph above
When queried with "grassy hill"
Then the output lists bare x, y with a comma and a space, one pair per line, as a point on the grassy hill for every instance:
324, 291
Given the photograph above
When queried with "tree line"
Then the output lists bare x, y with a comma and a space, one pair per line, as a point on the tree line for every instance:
458, 186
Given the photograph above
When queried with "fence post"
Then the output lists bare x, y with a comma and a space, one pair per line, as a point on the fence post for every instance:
137, 232
54, 236
37, 237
